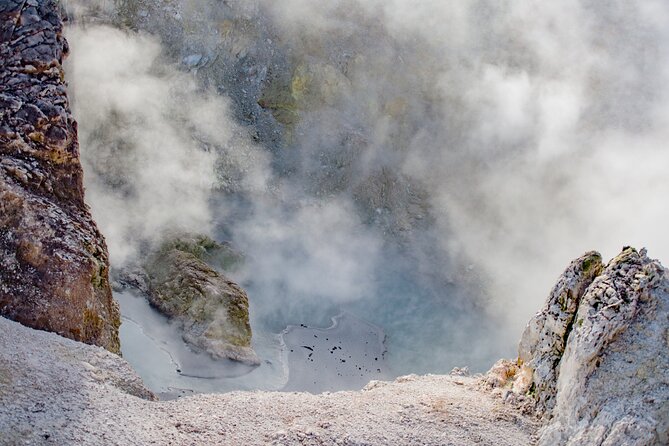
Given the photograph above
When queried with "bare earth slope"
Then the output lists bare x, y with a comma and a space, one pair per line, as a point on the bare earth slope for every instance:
60, 392
593, 362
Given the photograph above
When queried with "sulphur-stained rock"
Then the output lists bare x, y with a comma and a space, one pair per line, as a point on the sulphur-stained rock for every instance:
595, 360
53, 260
311, 86
212, 310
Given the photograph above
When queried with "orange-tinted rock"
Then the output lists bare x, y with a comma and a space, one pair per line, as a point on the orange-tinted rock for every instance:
53, 260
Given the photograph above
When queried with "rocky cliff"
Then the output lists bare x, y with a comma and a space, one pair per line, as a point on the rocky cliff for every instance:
594, 361
53, 259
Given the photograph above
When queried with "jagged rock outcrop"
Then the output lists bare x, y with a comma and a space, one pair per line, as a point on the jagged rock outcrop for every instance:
545, 337
595, 360
53, 259
212, 310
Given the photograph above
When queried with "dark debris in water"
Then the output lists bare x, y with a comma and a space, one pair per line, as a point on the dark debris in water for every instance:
344, 356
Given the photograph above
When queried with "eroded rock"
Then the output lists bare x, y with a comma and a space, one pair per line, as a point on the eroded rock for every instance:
595, 360
212, 310
613, 386
545, 337
53, 260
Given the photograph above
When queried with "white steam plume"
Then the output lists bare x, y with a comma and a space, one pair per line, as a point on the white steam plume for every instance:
150, 139
492, 141
539, 130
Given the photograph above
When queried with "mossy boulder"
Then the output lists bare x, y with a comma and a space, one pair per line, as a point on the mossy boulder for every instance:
220, 256
212, 310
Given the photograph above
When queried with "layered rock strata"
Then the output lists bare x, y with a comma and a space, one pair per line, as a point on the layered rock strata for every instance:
53, 259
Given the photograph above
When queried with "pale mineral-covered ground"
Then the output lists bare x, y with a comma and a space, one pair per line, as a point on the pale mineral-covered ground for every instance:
286, 221
54, 391
592, 370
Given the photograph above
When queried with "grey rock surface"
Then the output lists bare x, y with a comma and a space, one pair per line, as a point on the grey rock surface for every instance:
613, 384
545, 337
595, 360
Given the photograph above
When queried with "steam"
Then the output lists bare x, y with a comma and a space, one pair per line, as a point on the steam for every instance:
315, 245
537, 129
437, 160
151, 139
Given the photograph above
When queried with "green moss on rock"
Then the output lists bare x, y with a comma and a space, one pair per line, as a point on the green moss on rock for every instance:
592, 264
219, 256
309, 87
213, 311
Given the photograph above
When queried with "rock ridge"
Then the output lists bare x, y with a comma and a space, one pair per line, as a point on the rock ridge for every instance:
593, 362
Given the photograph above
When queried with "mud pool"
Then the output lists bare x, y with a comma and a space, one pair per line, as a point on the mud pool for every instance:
344, 356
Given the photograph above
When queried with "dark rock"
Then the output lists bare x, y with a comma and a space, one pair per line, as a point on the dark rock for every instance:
53, 259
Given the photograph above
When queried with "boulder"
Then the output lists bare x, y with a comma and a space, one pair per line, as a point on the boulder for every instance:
212, 310
53, 260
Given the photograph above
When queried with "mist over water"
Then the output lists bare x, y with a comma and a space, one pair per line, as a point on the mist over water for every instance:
430, 168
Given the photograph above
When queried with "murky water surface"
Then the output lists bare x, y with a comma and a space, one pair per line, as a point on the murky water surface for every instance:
344, 356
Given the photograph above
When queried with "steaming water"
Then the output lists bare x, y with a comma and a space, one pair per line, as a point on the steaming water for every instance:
170, 367
346, 355
488, 142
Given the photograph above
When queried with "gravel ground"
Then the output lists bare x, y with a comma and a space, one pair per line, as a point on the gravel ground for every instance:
54, 391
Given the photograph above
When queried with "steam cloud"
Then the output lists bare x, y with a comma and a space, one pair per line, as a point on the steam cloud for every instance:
150, 141
468, 148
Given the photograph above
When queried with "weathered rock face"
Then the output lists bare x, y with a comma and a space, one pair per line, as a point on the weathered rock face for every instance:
213, 311
595, 360
543, 342
53, 260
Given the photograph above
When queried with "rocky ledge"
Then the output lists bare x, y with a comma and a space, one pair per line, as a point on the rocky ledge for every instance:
53, 259
54, 391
